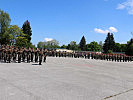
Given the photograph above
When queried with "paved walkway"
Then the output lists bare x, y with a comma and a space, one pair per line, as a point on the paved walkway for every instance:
67, 79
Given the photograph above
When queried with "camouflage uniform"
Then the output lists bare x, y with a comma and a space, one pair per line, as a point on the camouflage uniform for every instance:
36, 55
40, 56
19, 55
32, 54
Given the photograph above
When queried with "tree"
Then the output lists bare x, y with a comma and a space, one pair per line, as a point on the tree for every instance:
117, 47
112, 42
93, 46
21, 41
63, 46
40, 45
82, 44
123, 47
73, 45
52, 44
49, 44
17, 37
27, 30
130, 48
14, 31
68, 46
101, 45
120, 47
110, 52
109, 43
4, 24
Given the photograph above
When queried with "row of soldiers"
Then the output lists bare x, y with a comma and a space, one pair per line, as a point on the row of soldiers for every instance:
92, 55
112, 57
11, 53
15, 54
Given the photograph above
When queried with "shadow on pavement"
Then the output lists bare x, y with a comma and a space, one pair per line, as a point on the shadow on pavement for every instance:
35, 64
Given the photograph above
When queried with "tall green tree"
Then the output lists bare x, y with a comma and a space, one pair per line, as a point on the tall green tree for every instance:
14, 31
82, 44
4, 24
17, 37
109, 43
27, 30
130, 48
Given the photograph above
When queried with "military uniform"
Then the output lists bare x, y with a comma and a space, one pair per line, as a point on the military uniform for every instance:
107, 57
28, 55
14, 54
0, 54
113, 57
88, 55
32, 55
40, 56
19, 55
36, 55
24, 54
44, 55
56, 54
5, 55
9, 54
120, 57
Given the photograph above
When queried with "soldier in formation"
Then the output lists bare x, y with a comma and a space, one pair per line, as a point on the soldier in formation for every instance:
14, 54
93, 55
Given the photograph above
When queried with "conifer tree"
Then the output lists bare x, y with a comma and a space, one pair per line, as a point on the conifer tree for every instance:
27, 30
109, 43
82, 44
130, 48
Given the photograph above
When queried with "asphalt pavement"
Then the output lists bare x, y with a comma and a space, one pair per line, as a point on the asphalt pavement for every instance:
67, 79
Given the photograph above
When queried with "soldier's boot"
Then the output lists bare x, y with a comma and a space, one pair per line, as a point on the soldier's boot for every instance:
36, 59
23, 58
18, 59
31, 58
5, 59
40, 60
9, 59
44, 60
27, 59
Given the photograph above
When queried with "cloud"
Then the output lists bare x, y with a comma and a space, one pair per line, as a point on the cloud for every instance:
48, 39
101, 31
121, 6
110, 29
128, 5
113, 29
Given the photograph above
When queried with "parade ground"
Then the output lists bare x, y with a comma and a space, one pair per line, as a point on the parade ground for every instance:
67, 79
